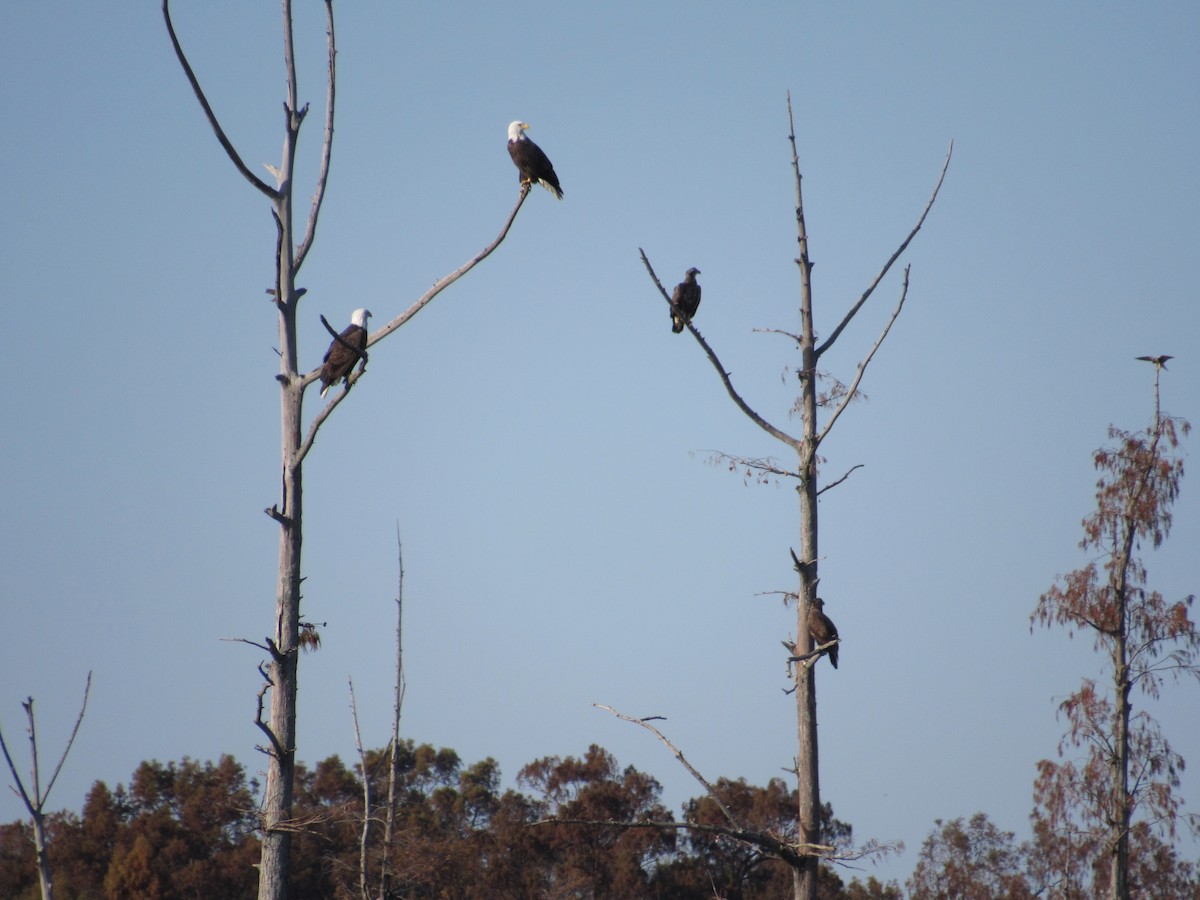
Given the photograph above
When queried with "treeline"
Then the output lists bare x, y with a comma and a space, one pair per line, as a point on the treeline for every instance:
188, 830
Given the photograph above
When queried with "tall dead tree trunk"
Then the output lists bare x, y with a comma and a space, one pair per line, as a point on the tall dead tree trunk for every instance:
805, 858
280, 673
808, 773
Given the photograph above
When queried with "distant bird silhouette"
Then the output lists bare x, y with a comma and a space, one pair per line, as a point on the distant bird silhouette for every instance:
686, 299
822, 629
1160, 362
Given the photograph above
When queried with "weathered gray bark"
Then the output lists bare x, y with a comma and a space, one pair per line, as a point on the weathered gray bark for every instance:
808, 777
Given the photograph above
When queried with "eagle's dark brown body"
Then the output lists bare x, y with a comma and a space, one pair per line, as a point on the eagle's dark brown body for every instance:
686, 299
530, 161
340, 360
822, 629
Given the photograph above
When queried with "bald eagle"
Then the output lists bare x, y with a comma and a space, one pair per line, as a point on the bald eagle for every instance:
822, 629
530, 161
1160, 362
340, 360
686, 299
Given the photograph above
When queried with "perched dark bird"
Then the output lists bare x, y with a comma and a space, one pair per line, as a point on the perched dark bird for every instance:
530, 161
685, 300
822, 629
340, 360
1160, 362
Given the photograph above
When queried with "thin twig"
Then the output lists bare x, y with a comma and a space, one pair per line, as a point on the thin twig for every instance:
834, 484
886, 266
262, 186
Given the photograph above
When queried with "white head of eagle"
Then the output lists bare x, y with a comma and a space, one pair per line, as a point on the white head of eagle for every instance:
339, 359
530, 161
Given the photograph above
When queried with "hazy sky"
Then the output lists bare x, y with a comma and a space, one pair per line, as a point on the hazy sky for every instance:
543, 440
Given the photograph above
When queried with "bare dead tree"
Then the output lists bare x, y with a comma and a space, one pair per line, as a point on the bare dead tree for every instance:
33, 796
292, 245
389, 821
805, 447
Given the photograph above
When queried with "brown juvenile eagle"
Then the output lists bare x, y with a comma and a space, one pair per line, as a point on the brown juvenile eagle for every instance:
686, 300
340, 360
530, 161
822, 629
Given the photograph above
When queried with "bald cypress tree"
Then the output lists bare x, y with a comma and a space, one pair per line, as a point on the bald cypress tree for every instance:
1087, 806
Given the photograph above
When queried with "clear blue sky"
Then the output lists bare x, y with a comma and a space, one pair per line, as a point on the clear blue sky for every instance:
540, 435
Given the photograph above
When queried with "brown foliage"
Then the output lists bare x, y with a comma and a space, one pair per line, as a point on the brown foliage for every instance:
1087, 807
184, 831
970, 861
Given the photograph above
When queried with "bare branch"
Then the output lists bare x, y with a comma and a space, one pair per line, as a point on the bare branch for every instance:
326, 149
276, 749
87, 689
263, 647
262, 186
886, 266
391, 326
834, 484
443, 283
862, 366
795, 337
645, 723
809, 659
789, 852
766, 465
19, 790
712, 357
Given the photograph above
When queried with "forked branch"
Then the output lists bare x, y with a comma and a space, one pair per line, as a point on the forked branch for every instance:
35, 803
